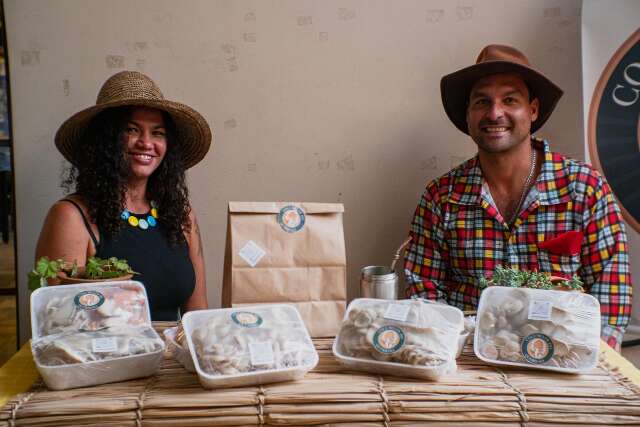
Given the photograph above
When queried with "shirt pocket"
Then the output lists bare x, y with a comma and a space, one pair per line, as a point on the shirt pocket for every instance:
558, 264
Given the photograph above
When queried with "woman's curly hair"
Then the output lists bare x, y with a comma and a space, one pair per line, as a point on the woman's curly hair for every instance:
101, 172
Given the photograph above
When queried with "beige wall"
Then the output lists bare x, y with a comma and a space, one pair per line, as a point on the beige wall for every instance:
325, 101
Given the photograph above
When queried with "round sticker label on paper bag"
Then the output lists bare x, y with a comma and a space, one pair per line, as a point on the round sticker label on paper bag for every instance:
537, 348
388, 339
291, 218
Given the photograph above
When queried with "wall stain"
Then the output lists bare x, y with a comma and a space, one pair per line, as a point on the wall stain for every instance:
435, 16
230, 57
346, 163
29, 58
552, 12
464, 13
114, 61
345, 14
230, 124
305, 21
429, 164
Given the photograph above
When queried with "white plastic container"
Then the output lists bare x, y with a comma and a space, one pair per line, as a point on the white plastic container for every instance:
535, 328
177, 351
409, 338
462, 341
108, 324
252, 345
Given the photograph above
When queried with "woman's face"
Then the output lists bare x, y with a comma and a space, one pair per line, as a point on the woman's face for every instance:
145, 141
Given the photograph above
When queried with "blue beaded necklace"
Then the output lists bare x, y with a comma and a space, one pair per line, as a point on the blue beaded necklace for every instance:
142, 223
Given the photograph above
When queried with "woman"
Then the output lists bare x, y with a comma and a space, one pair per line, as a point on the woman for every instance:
129, 154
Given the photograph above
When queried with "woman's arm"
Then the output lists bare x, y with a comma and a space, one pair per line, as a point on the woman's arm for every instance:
198, 299
64, 235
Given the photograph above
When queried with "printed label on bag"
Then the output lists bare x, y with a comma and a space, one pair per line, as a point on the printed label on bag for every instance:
388, 339
291, 219
104, 345
537, 348
397, 312
540, 310
246, 319
89, 300
252, 253
261, 353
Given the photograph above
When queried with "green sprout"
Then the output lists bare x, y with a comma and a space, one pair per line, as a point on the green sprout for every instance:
516, 278
96, 268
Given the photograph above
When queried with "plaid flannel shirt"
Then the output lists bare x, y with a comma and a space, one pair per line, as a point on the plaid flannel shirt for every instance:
458, 236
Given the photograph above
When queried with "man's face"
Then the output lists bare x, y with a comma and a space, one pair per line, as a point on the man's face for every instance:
499, 114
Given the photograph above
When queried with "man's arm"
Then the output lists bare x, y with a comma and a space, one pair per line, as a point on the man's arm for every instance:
605, 264
426, 257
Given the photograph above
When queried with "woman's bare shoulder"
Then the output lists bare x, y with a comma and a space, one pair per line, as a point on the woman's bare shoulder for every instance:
63, 208
64, 233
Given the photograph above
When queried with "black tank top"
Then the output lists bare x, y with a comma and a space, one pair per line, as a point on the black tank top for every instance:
165, 270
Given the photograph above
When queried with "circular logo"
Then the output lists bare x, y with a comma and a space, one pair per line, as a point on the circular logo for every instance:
89, 300
291, 218
614, 126
246, 319
537, 348
388, 339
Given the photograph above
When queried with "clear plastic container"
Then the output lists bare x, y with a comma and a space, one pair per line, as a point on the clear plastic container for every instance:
177, 351
252, 345
410, 338
89, 334
535, 328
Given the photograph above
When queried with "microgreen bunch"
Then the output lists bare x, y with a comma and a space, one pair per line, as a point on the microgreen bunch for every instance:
45, 269
515, 278
96, 268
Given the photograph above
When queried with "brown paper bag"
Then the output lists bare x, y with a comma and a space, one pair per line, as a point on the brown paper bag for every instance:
288, 253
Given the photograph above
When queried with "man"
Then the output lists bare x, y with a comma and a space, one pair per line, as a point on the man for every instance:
515, 204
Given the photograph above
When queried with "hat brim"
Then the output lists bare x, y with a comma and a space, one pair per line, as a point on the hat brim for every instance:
455, 89
192, 129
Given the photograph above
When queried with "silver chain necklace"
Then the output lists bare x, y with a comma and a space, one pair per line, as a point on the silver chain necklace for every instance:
527, 183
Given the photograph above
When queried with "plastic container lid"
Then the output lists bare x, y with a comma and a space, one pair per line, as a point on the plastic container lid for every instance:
411, 338
251, 345
89, 334
536, 328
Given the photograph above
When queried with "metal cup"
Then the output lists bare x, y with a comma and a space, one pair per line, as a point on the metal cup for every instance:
378, 281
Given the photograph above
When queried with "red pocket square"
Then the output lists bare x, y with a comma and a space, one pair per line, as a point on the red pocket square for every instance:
565, 244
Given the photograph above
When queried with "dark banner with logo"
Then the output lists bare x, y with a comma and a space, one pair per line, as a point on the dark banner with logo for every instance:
614, 127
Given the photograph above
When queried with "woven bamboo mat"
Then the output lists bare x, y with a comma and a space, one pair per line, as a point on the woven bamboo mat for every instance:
476, 396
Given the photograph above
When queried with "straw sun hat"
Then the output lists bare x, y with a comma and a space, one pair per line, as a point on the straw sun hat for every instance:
131, 88
496, 59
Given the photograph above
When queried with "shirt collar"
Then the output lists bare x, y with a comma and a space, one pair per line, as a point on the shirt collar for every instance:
552, 184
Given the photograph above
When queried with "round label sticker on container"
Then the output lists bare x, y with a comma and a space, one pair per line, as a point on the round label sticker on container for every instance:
89, 300
537, 348
291, 218
246, 319
388, 339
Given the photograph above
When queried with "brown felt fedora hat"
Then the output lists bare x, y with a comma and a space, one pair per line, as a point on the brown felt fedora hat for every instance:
496, 59
131, 88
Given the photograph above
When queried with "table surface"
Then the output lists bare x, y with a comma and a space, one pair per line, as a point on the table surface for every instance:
19, 374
